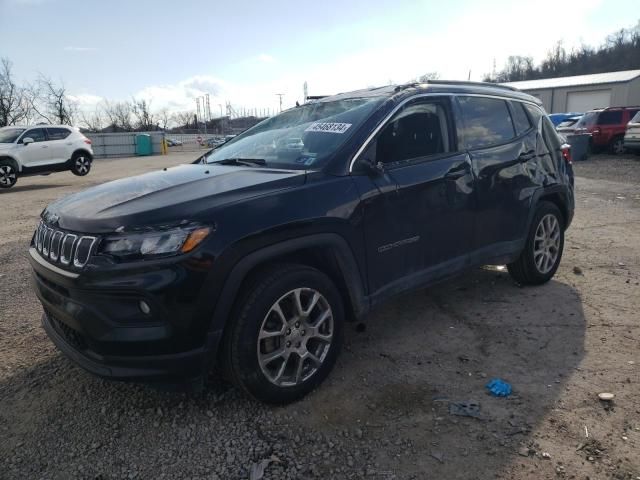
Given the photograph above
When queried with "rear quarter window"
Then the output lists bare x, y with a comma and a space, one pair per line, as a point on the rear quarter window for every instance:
520, 118
610, 117
486, 121
58, 133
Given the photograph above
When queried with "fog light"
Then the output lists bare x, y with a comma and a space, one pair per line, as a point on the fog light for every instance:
144, 307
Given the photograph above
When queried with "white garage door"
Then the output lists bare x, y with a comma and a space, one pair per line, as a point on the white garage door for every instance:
583, 101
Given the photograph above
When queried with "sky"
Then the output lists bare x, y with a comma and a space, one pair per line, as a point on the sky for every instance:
246, 52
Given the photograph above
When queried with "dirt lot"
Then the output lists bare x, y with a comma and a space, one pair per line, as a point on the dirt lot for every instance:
384, 412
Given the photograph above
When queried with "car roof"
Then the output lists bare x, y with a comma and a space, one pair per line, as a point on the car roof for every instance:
69, 127
435, 86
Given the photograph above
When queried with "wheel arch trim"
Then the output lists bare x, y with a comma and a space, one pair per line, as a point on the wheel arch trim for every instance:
344, 256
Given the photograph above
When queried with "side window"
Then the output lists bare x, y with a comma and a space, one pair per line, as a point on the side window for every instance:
550, 135
37, 134
520, 118
610, 117
58, 133
418, 130
633, 113
534, 113
486, 121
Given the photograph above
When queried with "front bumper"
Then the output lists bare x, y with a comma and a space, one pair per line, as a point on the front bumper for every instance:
97, 323
632, 143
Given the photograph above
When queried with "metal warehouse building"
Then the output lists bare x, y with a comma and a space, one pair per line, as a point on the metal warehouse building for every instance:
585, 92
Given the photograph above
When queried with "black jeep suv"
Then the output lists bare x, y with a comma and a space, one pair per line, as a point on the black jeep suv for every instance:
253, 257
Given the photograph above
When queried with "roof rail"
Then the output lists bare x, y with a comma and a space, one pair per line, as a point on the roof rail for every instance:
477, 84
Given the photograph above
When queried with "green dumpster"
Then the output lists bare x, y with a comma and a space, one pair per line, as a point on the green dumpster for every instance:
143, 144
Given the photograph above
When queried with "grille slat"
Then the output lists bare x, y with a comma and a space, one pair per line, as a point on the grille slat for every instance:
62, 247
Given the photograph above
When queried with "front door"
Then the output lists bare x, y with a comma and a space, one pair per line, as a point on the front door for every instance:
36, 153
417, 212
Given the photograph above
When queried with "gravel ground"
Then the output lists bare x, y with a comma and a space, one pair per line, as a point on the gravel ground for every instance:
384, 412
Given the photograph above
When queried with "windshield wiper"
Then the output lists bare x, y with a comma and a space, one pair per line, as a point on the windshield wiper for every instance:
249, 162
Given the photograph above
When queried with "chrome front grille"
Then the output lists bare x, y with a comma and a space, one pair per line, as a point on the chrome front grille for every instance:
64, 248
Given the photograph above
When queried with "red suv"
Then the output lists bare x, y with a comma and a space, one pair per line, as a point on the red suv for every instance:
607, 127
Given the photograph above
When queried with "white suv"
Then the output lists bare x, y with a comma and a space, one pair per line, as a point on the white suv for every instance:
41, 150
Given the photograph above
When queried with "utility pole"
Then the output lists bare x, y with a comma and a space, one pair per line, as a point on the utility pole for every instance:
197, 112
280, 95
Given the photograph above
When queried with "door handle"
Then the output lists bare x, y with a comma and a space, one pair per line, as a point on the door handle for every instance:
526, 156
455, 174
45, 146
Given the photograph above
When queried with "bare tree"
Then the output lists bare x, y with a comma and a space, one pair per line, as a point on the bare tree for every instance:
94, 121
145, 120
50, 101
14, 103
118, 114
183, 119
428, 76
164, 118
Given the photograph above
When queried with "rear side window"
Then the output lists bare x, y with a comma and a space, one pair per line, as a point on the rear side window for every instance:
520, 118
58, 133
486, 121
534, 113
636, 118
611, 117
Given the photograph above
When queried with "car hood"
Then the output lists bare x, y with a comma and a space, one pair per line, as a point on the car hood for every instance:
186, 192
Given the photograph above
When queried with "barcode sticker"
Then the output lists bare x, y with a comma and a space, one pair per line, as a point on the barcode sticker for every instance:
328, 127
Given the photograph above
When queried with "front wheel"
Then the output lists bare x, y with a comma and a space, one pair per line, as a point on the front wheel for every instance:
8, 174
541, 256
286, 335
80, 164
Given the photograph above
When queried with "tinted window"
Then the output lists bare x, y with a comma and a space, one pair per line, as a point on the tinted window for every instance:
520, 118
58, 133
633, 114
416, 131
613, 117
636, 118
486, 121
550, 135
36, 133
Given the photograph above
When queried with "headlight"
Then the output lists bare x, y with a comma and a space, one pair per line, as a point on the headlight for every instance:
154, 243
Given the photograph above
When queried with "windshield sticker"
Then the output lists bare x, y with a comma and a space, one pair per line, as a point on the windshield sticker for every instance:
328, 127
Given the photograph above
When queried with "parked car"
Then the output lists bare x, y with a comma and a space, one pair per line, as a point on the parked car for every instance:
214, 142
42, 150
558, 118
632, 134
607, 127
253, 261
172, 142
568, 126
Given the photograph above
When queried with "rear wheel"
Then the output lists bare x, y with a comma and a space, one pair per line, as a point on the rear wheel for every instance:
8, 174
541, 256
286, 335
617, 146
80, 164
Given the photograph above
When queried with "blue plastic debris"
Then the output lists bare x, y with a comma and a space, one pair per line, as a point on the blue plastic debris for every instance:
499, 388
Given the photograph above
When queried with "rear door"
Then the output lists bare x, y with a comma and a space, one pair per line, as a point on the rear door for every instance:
610, 125
501, 141
36, 153
60, 145
417, 213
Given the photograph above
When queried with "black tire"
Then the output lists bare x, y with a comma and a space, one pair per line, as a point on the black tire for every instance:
525, 269
8, 174
617, 146
242, 344
81, 164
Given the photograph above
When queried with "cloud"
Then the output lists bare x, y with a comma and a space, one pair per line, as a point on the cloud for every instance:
265, 58
79, 49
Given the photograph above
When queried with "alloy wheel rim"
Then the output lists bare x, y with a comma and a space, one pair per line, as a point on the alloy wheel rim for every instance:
82, 164
546, 243
295, 337
7, 175
618, 147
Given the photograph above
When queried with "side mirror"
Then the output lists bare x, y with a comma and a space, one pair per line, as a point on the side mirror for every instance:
371, 167
27, 140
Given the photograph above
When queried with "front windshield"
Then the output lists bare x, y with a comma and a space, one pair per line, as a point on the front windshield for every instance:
587, 120
301, 138
10, 135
